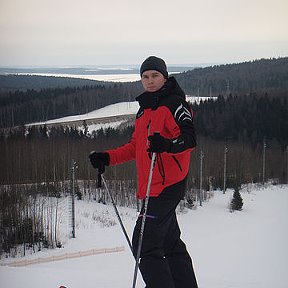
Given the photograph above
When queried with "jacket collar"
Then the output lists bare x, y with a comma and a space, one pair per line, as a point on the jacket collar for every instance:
153, 99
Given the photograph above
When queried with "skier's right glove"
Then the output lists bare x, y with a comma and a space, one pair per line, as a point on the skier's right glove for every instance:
159, 144
99, 160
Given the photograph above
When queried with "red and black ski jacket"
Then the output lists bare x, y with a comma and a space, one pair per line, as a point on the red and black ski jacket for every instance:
167, 112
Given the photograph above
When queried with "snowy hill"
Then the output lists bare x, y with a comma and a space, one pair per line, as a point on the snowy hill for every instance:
246, 249
112, 115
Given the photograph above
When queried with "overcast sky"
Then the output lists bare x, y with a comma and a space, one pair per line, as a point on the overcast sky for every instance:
98, 32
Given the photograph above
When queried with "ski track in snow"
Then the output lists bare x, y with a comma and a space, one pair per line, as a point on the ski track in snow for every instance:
244, 249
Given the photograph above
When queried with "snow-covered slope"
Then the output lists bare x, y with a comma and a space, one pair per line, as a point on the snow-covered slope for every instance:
118, 109
246, 249
99, 118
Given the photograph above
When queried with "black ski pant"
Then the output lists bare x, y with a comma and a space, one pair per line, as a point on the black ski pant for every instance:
164, 260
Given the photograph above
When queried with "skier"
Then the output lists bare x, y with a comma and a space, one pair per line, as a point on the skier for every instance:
164, 260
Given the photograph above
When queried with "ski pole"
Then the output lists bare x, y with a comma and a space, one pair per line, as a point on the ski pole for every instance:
100, 176
143, 219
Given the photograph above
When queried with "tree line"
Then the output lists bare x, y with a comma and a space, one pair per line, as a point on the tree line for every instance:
35, 154
15, 82
248, 119
36, 105
21, 107
265, 75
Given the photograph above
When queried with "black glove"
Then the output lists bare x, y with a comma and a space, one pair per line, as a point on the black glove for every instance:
159, 144
99, 160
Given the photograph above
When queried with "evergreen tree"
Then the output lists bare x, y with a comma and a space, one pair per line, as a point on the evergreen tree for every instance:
85, 128
237, 201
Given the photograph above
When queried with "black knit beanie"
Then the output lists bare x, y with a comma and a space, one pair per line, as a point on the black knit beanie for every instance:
154, 63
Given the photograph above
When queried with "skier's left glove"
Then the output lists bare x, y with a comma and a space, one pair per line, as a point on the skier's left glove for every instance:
159, 144
99, 160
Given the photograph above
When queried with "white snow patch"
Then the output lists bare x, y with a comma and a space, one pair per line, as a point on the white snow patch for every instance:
118, 109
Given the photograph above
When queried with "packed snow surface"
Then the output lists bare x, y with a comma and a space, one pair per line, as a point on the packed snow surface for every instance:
244, 249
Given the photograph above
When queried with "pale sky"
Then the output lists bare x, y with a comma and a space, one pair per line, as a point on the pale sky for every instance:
99, 32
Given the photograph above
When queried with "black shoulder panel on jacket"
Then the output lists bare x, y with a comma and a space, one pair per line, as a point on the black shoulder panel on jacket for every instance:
183, 116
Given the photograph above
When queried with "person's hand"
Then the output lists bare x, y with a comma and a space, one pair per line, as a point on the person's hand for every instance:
99, 160
159, 144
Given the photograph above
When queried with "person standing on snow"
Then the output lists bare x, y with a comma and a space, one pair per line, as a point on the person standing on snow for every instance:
164, 260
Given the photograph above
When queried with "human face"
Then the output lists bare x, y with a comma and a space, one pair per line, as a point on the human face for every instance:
152, 80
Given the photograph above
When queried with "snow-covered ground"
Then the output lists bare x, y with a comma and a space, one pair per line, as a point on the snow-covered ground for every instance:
246, 249
117, 109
